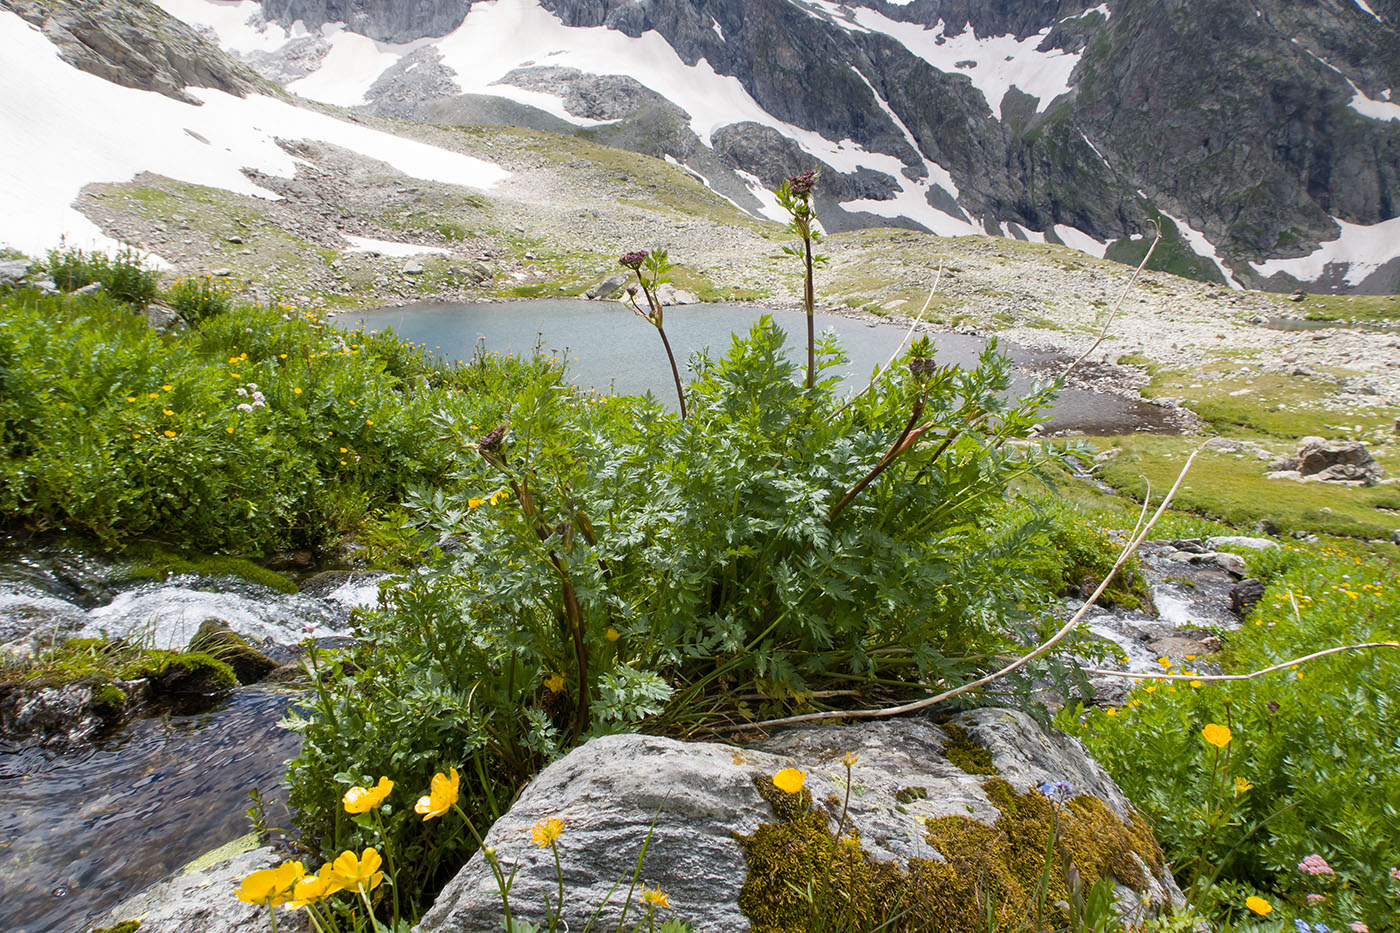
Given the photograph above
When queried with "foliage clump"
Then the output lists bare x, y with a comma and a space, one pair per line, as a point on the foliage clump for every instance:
124, 275
258, 429
1311, 755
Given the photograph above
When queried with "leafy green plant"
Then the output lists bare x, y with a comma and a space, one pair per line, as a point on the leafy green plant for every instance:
124, 275
198, 298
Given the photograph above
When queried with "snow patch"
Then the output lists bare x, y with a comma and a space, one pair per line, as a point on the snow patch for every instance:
1202, 247
70, 128
1361, 247
238, 24
1367, 8
998, 63
1075, 238
350, 68
364, 244
769, 206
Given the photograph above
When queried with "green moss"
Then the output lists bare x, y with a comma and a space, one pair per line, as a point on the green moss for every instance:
153, 562
126, 926
102, 665
962, 751
801, 878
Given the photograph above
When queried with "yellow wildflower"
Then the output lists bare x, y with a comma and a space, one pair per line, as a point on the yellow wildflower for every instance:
1197, 683
365, 799
554, 683
1217, 735
474, 503
271, 886
789, 780
612, 634
545, 832
167, 388
1241, 785
168, 433
358, 874
1260, 906
442, 794
313, 888
296, 390
167, 412
655, 897
850, 759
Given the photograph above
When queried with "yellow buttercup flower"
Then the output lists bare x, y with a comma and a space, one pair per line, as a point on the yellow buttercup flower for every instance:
442, 794
358, 874
313, 888
271, 886
545, 832
499, 495
612, 634
789, 780
474, 503
655, 897
850, 759
365, 799
1217, 735
1241, 785
554, 683
1260, 906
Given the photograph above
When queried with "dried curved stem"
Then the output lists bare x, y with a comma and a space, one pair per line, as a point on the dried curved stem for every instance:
1218, 678
1117, 305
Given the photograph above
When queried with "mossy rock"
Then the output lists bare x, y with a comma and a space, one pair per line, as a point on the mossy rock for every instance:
190, 682
217, 640
800, 873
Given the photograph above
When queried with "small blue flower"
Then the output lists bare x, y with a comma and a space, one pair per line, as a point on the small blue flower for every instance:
1302, 926
1057, 790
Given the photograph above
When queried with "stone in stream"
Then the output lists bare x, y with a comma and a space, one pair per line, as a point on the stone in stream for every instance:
712, 812
222, 643
1245, 595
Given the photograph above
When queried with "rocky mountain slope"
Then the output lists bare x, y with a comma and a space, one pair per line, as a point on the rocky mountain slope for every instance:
1262, 135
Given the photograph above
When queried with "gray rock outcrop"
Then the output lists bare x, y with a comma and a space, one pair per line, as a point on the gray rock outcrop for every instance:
138, 45
1322, 461
693, 798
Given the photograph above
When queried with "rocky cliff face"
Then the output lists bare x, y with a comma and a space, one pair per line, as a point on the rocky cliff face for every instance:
1250, 131
136, 44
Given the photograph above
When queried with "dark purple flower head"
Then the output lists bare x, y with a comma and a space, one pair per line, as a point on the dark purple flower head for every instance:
802, 185
490, 443
921, 368
635, 259
1273, 706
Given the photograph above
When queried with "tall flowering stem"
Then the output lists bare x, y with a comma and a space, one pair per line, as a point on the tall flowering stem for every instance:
651, 268
795, 196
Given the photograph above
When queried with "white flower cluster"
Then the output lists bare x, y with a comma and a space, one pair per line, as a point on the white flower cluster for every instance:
250, 391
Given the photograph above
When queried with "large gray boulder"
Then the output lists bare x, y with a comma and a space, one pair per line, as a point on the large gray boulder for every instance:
703, 803
200, 897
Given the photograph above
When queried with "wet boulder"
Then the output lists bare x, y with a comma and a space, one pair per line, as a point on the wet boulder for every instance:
217, 640
1245, 595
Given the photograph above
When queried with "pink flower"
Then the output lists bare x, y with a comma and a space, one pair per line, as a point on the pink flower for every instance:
1395, 874
1356, 926
1316, 898
1315, 865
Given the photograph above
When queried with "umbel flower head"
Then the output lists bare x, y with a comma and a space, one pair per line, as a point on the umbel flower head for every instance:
921, 368
634, 259
365, 799
442, 794
801, 185
271, 886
